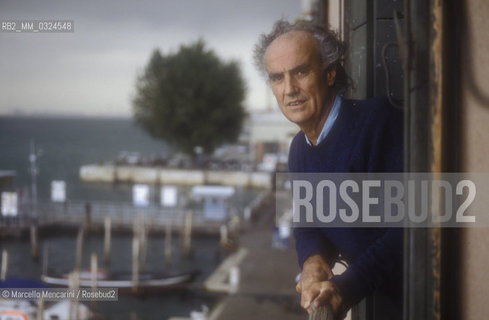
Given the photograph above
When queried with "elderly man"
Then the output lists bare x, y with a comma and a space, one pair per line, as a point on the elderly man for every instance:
303, 65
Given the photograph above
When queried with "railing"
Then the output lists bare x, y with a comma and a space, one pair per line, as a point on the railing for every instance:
121, 214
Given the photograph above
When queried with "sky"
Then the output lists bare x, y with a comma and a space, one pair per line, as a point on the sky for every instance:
93, 70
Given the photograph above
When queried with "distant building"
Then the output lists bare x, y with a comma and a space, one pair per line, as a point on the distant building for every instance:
6, 178
270, 132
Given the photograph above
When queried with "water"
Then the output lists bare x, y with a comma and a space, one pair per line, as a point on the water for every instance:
61, 257
66, 145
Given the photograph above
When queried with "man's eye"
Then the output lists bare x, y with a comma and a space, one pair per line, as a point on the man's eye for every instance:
276, 78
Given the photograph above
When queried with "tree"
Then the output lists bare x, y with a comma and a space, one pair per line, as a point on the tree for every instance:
190, 99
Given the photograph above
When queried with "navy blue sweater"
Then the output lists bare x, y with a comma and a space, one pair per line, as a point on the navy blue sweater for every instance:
366, 137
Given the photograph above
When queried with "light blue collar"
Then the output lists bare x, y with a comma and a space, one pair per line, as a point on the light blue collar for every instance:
328, 124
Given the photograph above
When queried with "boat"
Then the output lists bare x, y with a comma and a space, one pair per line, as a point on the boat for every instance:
20, 309
28, 310
147, 282
17, 309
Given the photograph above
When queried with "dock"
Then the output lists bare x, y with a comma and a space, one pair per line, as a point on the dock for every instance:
266, 288
93, 215
122, 215
110, 173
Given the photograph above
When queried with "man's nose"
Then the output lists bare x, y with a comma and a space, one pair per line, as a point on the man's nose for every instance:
290, 86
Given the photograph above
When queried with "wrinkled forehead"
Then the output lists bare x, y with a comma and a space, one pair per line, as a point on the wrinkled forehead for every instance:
290, 50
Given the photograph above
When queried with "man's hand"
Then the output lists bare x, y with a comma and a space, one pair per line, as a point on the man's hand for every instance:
314, 286
322, 293
315, 269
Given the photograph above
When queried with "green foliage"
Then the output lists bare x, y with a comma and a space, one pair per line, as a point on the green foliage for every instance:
190, 98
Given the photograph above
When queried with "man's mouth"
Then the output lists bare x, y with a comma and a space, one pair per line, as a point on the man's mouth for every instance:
295, 103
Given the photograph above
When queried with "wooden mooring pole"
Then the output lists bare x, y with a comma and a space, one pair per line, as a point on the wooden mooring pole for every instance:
143, 242
224, 235
74, 283
45, 254
94, 270
168, 239
40, 309
94, 276
187, 233
79, 249
4, 268
34, 242
107, 238
135, 263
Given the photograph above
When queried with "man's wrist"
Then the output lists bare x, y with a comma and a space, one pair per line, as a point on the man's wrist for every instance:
317, 264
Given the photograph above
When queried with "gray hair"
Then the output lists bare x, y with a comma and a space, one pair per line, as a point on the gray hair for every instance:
331, 48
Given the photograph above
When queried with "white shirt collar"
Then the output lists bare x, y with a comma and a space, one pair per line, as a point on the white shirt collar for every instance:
330, 120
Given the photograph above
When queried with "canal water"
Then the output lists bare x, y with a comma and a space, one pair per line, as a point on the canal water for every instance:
64, 145
204, 257
67, 144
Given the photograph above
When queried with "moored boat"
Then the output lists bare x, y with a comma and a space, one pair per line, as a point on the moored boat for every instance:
147, 282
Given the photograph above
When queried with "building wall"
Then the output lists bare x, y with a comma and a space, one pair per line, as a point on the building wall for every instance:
475, 156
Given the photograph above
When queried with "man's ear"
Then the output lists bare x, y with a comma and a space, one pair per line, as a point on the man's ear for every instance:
331, 76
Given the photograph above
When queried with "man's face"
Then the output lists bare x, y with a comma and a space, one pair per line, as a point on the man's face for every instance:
296, 77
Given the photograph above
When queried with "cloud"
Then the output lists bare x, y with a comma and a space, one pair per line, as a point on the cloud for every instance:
93, 70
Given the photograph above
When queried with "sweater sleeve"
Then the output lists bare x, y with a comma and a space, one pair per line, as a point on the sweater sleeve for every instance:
377, 266
311, 241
